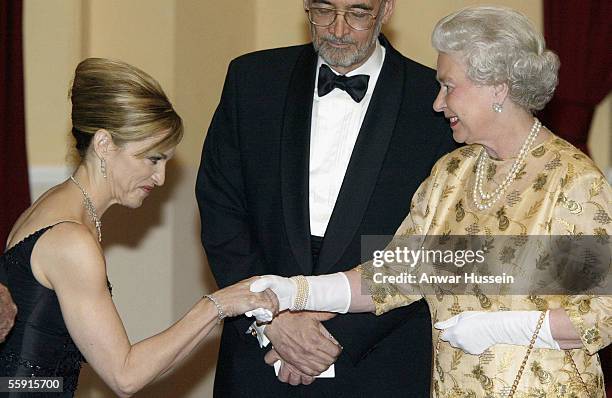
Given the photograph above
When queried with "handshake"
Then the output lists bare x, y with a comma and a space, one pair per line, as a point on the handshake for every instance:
265, 297
302, 347
330, 293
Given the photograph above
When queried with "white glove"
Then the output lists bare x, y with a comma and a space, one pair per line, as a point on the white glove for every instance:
284, 288
475, 331
329, 293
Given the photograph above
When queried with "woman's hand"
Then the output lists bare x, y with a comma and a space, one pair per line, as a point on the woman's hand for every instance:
476, 331
237, 299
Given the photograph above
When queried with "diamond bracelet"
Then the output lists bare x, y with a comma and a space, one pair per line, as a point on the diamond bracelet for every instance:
220, 313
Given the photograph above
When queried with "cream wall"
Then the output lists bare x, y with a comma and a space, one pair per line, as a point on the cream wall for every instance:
154, 256
208, 36
52, 37
413, 21
600, 138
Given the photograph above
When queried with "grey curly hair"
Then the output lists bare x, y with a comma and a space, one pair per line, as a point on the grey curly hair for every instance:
500, 45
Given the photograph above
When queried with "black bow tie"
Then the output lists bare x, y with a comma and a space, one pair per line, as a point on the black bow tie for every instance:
355, 86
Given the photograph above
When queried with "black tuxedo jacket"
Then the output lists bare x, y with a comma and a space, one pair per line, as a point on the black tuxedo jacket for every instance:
252, 191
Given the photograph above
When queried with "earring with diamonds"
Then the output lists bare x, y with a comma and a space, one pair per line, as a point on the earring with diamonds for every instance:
497, 107
103, 167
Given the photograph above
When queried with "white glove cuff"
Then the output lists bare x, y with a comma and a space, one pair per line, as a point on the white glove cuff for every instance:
329, 293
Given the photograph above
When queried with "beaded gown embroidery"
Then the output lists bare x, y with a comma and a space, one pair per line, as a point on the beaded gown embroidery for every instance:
39, 344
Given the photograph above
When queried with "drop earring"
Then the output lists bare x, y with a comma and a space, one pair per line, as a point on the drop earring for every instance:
103, 167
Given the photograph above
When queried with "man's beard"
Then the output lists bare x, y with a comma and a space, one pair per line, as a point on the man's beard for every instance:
343, 57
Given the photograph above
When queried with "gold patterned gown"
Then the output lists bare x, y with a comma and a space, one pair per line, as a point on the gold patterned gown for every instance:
559, 191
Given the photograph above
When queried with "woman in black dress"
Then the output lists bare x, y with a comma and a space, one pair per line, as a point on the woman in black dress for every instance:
126, 130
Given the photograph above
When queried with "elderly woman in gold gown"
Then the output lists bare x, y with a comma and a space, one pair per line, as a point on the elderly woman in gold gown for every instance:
514, 177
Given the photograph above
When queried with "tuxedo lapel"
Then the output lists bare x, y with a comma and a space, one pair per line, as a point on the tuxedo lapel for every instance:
295, 143
366, 161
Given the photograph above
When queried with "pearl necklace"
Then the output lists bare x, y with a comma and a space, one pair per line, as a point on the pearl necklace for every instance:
91, 210
484, 200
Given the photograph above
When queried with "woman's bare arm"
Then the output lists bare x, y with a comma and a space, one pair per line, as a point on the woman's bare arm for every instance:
77, 273
563, 330
359, 302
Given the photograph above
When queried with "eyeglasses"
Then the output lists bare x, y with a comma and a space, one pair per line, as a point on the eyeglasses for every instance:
325, 16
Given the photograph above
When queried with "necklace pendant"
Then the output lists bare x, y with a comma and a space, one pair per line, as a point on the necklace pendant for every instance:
91, 209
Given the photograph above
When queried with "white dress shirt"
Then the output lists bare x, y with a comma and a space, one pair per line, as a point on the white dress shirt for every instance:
336, 121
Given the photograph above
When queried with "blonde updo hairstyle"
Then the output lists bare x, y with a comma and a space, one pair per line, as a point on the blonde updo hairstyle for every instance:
499, 45
126, 102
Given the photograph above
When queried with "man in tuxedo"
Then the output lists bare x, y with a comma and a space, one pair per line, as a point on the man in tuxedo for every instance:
310, 148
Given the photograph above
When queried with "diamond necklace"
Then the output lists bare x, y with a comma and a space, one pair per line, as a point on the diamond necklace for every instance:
91, 210
484, 200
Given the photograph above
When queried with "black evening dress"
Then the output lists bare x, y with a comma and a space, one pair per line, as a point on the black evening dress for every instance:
39, 344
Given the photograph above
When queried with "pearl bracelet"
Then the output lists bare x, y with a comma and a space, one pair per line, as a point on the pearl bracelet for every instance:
220, 313
301, 296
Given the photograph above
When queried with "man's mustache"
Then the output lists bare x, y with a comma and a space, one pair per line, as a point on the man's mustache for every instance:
337, 40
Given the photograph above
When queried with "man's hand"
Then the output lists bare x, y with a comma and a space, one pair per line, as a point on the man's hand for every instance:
303, 342
287, 373
8, 310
